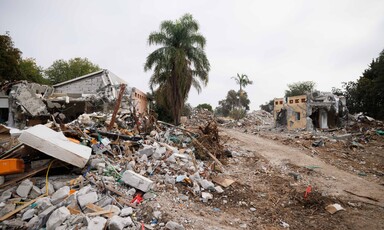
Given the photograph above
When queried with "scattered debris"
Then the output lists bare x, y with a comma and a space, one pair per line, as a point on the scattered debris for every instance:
333, 208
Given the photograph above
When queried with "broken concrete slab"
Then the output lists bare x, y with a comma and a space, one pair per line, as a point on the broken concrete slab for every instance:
55, 144
24, 188
60, 195
28, 214
137, 181
97, 223
88, 198
171, 225
117, 223
57, 218
35, 192
126, 212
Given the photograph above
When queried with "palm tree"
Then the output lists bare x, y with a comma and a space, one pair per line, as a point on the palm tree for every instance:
243, 81
179, 63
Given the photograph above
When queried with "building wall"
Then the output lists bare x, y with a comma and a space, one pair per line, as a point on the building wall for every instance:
278, 105
88, 85
139, 100
297, 112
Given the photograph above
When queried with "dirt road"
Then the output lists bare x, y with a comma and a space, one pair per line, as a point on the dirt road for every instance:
278, 155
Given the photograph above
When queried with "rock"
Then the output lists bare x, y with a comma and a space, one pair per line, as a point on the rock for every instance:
206, 184
43, 203
149, 195
105, 201
35, 192
51, 189
87, 198
113, 208
131, 192
206, 196
160, 151
97, 223
24, 188
58, 184
118, 223
183, 197
84, 190
93, 162
32, 223
6, 195
171, 225
28, 214
76, 219
60, 195
219, 189
252, 209
137, 181
147, 150
171, 159
169, 179
57, 218
126, 212
7, 208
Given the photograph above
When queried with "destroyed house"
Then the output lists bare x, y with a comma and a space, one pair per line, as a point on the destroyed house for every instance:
31, 103
317, 110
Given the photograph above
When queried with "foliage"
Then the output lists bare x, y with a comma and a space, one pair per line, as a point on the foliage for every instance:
10, 58
62, 70
235, 101
30, 71
300, 88
238, 113
179, 63
367, 93
205, 106
268, 106
242, 80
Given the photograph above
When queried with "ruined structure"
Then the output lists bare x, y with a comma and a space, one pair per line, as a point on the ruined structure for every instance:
26, 104
317, 110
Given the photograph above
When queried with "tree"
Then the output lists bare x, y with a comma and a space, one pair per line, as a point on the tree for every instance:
367, 94
242, 80
13, 67
62, 70
235, 103
268, 106
205, 106
10, 58
300, 88
179, 63
30, 71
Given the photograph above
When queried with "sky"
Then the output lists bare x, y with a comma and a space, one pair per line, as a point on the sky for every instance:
274, 43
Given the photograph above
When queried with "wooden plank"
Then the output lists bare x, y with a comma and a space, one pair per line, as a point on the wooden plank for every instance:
6, 216
225, 182
55, 144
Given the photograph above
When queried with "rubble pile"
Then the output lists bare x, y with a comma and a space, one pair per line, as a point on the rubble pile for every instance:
199, 117
253, 121
85, 176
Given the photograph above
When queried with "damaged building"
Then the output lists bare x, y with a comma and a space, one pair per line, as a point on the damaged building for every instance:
317, 110
26, 104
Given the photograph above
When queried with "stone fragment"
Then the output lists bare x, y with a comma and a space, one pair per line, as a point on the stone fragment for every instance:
156, 215
87, 198
252, 209
131, 192
57, 218
113, 208
147, 150
76, 219
126, 212
171, 225
206, 184
6, 195
97, 223
206, 196
137, 181
58, 184
60, 195
28, 214
35, 192
51, 189
24, 188
32, 223
117, 223
43, 203
219, 189
7, 208
169, 179
84, 190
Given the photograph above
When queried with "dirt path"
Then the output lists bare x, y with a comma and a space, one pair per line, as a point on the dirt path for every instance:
279, 155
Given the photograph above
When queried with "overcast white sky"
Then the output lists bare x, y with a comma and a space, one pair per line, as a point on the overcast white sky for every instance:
274, 42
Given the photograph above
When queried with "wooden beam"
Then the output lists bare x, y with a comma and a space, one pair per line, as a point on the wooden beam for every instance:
117, 106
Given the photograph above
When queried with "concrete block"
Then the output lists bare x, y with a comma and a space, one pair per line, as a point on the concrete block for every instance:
87, 198
55, 144
113, 208
24, 188
60, 195
28, 214
6, 195
43, 203
97, 223
35, 192
118, 223
32, 223
51, 189
126, 212
57, 218
137, 181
